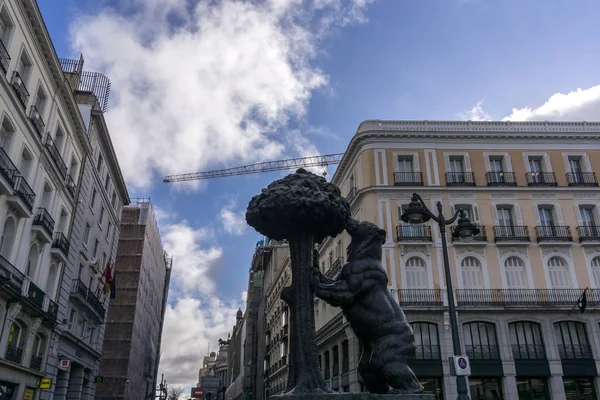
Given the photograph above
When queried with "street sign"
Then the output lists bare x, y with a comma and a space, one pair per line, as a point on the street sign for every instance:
462, 366
64, 364
198, 392
45, 383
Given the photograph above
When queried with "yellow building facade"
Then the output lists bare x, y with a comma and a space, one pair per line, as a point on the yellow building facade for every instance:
532, 189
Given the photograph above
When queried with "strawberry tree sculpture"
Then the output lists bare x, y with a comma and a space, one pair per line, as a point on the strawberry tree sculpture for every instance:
304, 209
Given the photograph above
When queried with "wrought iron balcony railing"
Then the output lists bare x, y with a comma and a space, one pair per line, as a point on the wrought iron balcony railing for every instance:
14, 354
408, 179
52, 310
88, 296
37, 121
582, 179
11, 277
4, 58
418, 297
60, 242
553, 234
24, 191
541, 179
501, 179
19, 88
43, 219
483, 352
428, 352
460, 179
8, 170
525, 297
528, 351
511, 233
480, 237
588, 233
56, 157
35, 363
407, 233
574, 351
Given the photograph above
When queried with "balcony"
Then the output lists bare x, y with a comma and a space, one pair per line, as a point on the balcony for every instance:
37, 121
23, 198
428, 352
480, 238
501, 179
588, 233
20, 88
509, 298
460, 179
36, 295
11, 279
418, 297
574, 351
529, 351
483, 352
36, 363
351, 194
541, 179
52, 312
582, 179
43, 225
60, 247
511, 234
553, 234
71, 187
4, 58
408, 179
407, 233
80, 292
14, 354
8, 173
56, 157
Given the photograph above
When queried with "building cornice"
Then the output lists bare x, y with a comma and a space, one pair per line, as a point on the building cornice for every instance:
387, 131
49, 52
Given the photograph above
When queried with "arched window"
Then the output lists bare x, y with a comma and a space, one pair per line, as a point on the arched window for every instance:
558, 271
8, 238
32, 261
16, 342
51, 281
345, 356
416, 273
596, 271
427, 341
526, 340
572, 341
327, 371
516, 277
26, 163
6, 135
37, 352
472, 275
480, 341
336, 360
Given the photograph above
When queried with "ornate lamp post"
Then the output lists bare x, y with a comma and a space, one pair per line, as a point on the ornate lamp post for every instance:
418, 213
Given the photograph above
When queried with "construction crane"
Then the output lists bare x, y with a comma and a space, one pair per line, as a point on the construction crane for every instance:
268, 166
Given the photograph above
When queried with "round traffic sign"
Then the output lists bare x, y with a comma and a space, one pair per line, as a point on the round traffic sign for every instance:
462, 363
198, 392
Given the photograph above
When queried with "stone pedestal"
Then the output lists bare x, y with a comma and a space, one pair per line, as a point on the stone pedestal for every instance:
352, 396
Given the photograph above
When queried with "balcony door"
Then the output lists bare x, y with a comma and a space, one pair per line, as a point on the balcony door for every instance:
506, 226
457, 170
576, 170
497, 170
546, 221
405, 170
588, 222
535, 167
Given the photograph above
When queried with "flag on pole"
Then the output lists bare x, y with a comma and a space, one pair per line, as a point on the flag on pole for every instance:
107, 278
113, 289
582, 302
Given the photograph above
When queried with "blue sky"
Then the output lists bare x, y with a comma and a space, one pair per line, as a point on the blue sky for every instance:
198, 87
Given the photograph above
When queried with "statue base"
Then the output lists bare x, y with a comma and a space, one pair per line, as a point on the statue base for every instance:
352, 396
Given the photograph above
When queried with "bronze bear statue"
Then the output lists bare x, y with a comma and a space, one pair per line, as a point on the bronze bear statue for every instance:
361, 290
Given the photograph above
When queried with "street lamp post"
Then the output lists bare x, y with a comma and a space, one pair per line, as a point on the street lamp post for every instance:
418, 213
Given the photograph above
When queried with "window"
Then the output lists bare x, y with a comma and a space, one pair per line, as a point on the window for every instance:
532, 388
17, 339
505, 216
25, 163
336, 360
497, 173
456, 169
405, 171
516, 277
101, 219
558, 272
59, 140
596, 270
546, 217
96, 246
106, 182
416, 273
32, 261
472, 274
572, 341
37, 351
480, 341
405, 164
6, 28
92, 334
93, 202
82, 325
575, 166
86, 234
526, 340
6, 135
330, 259
327, 369
40, 101
113, 200
427, 342
484, 389
72, 317
345, 357
51, 281
99, 164
24, 67
8, 238
587, 215
338, 250
109, 232
579, 388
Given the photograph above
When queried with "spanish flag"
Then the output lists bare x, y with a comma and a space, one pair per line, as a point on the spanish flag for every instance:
107, 278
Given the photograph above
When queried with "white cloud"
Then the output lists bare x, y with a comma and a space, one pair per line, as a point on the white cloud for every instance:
476, 113
234, 222
212, 89
578, 105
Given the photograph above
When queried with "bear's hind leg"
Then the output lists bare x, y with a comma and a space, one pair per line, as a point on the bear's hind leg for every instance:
374, 382
401, 378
